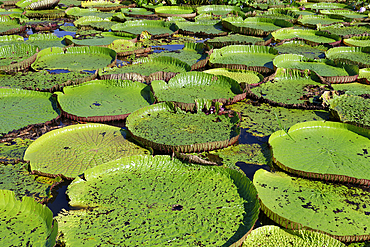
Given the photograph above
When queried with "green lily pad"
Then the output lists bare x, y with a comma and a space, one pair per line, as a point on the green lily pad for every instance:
101, 4
71, 150
25, 221
260, 120
355, 88
17, 57
364, 74
125, 47
281, 14
191, 53
314, 37
43, 80
158, 28
37, 4
95, 22
335, 73
337, 210
218, 10
185, 88
45, 40
301, 48
241, 76
17, 178
21, 108
351, 55
136, 12
291, 88
164, 128
316, 21
11, 39
103, 39
104, 100
176, 204
252, 57
181, 11
201, 28
48, 14
255, 26
351, 109
148, 66
75, 58
324, 5
361, 41
271, 236
77, 12
237, 39
347, 31
10, 11
325, 150
350, 15
13, 151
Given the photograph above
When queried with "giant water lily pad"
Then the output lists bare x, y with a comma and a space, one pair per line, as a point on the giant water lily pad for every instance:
334, 73
21, 108
219, 10
350, 15
102, 4
148, 66
48, 14
71, 150
355, 88
280, 14
43, 80
300, 47
347, 31
12, 151
75, 58
25, 221
11, 39
104, 100
17, 57
256, 26
271, 236
351, 109
166, 128
241, 76
314, 37
263, 120
351, 55
325, 150
181, 11
361, 41
37, 4
314, 21
95, 22
201, 28
175, 204
323, 5
237, 39
291, 88
136, 12
103, 39
10, 26
77, 12
185, 88
46, 40
252, 57
158, 28
298, 203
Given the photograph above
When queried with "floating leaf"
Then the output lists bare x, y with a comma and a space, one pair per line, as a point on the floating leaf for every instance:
71, 150
241, 76
297, 203
174, 204
350, 55
21, 108
325, 150
25, 221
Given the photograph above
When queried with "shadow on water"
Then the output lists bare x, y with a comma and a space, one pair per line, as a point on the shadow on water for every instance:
60, 200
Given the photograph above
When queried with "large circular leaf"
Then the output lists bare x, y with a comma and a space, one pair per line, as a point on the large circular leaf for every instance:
272, 236
104, 100
325, 150
187, 87
75, 58
25, 221
313, 36
20, 108
162, 127
181, 11
351, 55
17, 57
159, 201
157, 28
71, 150
297, 203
